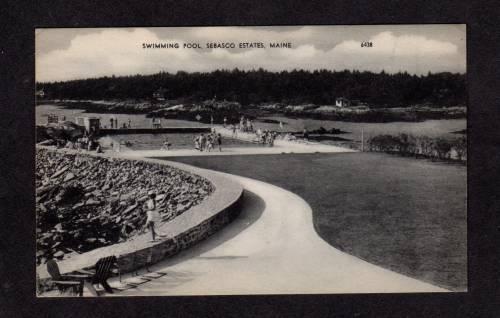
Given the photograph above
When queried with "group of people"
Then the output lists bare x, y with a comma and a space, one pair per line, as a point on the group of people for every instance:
266, 137
113, 123
155, 123
246, 125
208, 142
84, 143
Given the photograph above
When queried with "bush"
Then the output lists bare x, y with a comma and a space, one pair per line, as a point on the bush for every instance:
420, 146
461, 148
443, 148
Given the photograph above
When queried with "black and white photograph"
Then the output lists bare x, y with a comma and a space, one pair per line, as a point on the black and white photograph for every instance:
251, 160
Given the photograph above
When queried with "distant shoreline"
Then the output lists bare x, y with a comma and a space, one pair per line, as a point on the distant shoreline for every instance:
233, 111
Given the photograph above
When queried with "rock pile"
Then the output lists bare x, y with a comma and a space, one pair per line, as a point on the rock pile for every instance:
85, 202
64, 131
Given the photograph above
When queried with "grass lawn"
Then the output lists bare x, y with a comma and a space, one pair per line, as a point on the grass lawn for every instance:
403, 214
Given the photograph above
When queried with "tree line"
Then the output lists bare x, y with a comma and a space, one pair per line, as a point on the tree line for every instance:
420, 146
260, 86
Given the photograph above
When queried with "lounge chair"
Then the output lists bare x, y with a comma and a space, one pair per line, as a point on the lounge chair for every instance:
102, 271
74, 283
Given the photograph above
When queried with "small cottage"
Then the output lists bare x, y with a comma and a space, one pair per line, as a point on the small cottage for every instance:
91, 124
342, 102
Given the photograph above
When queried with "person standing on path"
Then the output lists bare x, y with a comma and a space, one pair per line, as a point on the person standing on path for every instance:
219, 141
210, 142
153, 216
166, 144
197, 142
203, 141
235, 134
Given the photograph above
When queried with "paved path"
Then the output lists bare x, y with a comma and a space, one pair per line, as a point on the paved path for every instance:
231, 151
236, 151
271, 248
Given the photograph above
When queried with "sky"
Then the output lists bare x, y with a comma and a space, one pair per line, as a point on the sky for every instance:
77, 53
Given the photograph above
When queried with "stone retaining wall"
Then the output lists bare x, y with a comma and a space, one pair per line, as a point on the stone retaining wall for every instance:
194, 225
158, 252
85, 202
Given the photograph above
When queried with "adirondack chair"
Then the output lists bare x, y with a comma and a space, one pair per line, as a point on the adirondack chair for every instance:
102, 271
74, 283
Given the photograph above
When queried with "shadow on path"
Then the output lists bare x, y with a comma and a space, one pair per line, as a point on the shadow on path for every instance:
252, 208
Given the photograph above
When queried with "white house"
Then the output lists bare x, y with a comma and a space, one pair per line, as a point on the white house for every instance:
342, 102
91, 124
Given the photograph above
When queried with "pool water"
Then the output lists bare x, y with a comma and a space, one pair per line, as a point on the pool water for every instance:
136, 120
177, 141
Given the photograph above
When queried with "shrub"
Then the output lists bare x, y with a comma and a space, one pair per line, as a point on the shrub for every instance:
424, 146
443, 148
460, 147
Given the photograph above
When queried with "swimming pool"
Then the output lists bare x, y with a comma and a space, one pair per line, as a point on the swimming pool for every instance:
177, 141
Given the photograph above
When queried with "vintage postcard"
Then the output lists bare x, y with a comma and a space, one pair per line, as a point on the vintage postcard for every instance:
251, 160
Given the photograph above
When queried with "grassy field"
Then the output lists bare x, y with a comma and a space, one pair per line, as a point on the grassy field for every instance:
402, 214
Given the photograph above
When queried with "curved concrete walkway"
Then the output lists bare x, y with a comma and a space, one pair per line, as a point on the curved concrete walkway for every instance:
231, 151
272, 248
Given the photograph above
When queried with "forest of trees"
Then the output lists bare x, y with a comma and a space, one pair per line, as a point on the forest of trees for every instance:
319, 87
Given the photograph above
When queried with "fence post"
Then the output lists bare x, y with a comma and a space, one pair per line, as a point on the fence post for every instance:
362, 141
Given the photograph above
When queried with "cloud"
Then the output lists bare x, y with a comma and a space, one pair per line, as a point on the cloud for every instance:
113, 51
415, 54
106, 52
